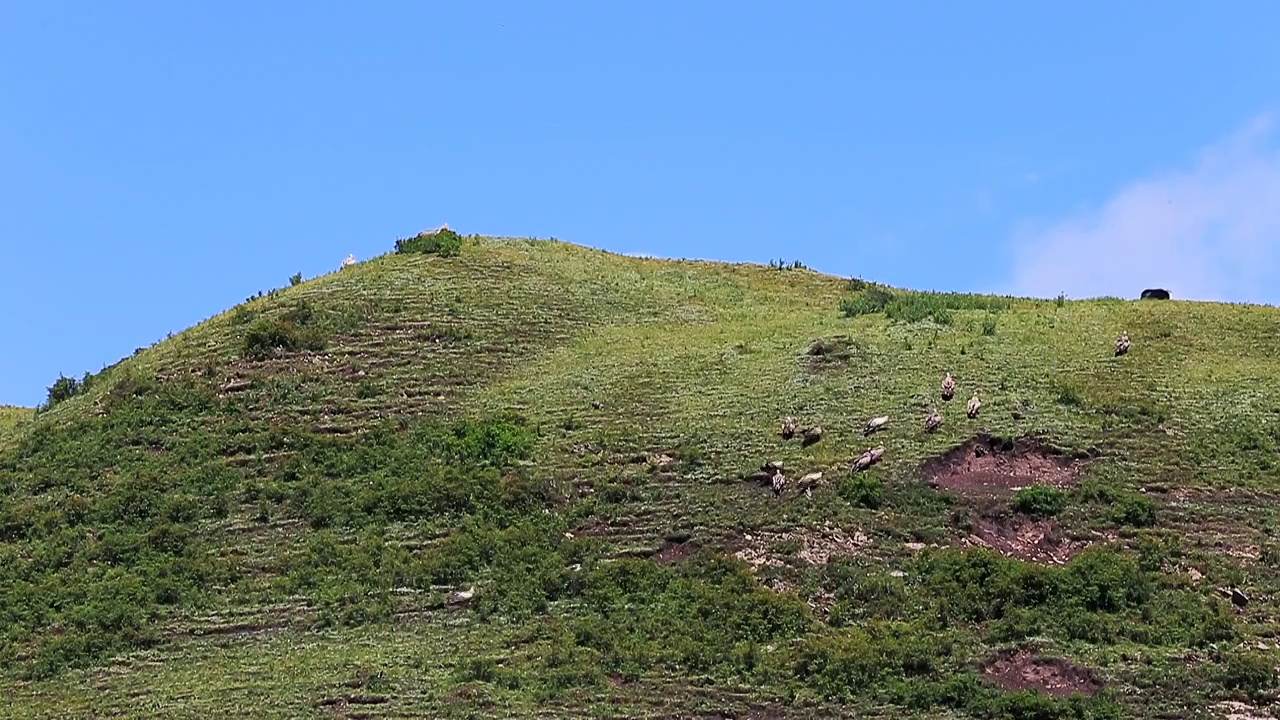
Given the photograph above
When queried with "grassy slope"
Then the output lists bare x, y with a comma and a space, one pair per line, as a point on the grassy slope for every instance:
11, 421
700, 359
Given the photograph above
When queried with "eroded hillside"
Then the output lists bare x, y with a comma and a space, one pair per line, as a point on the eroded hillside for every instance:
268, 514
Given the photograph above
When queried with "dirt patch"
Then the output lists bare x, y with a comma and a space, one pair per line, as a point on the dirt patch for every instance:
813, 546
1041, 541
1024, 670
1235, 710
831, 351
987, 466
674, 552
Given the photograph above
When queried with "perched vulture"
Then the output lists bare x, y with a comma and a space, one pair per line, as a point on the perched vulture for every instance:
948, 387
875, 424
973, 407
806, 483
932, 422
868, 458
779, 483
462, 597
788, 428
1122, 344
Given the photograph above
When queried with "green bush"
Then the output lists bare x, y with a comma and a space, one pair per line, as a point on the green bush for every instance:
1040, 501
295, 279
914, 306
862, 491
1135, 510
1251, 671
1068, 395
445, 243
63, 389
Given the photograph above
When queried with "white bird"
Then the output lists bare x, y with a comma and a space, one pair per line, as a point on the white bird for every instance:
973, 406
351, 260
875, 424
779, 483
788, 428
1122, 344
948, 387
460, 597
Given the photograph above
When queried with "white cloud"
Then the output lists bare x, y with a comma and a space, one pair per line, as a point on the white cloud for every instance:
1208, 233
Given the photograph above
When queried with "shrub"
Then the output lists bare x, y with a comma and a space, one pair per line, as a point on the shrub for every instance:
1040, 501
862, 491
295, 279
1253, 672
989, 325
911, 306
267, 337
63, 389
1068, 395
445, 243
871, 299
1135, 510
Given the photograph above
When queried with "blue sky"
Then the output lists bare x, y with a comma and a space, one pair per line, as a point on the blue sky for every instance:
161, 161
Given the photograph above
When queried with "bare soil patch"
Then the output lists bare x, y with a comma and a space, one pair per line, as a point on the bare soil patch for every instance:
813, 546
1041, 541
674, 552
987, 466
1024, 670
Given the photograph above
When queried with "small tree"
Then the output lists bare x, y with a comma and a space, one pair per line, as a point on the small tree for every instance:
295, 279
64, 388
445, 243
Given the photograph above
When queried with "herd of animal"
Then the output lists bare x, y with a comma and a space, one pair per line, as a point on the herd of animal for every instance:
773, 470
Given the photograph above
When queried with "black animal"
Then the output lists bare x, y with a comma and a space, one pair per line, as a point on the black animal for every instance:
1155, 294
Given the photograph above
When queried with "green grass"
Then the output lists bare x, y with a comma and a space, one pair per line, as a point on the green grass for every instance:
12, 420
251, 513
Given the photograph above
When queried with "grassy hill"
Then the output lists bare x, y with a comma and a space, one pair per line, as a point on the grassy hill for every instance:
11, 421
266, 515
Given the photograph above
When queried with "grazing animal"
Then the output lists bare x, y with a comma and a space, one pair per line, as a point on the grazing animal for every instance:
974, 405
1155, 294
868, 458
1122, 344
779, 482
876, 423
812, 435
788, 428
807, 482
948, 387
933, 422
351, 260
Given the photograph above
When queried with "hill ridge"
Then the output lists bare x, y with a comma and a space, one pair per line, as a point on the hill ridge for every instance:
305, 480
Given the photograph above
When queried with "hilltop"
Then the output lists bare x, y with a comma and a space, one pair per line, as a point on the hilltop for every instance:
273, 513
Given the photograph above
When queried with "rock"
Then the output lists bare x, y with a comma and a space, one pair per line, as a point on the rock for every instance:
1155, 294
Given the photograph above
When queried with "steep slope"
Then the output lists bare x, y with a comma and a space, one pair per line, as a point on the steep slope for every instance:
266, 514
11, 421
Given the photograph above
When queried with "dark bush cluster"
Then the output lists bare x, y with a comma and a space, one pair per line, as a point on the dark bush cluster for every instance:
294, 331
101, 520
913, 306
445, 243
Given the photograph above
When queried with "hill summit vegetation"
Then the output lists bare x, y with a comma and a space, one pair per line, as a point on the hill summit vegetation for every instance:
507, 477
